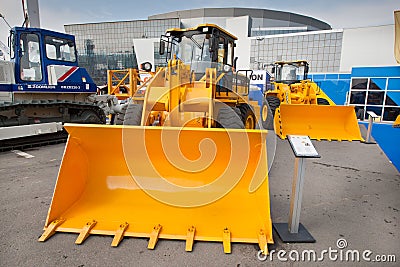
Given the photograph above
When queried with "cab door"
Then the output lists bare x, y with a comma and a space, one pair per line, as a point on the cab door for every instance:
28, 58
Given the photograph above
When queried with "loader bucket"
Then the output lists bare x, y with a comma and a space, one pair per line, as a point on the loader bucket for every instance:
396, 123
163, 182
321, 122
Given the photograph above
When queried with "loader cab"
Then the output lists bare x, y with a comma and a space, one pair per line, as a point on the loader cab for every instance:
289, 72
33, 50
204, 46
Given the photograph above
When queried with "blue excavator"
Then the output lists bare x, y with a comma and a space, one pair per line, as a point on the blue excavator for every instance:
43, 82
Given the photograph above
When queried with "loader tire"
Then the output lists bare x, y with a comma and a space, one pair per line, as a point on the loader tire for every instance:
267, 119
360, 113
273, 103
131, 115
229, 118
90, 116
322, 101
248, 118
119, 118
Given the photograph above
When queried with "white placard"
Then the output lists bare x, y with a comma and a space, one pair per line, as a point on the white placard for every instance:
302, 146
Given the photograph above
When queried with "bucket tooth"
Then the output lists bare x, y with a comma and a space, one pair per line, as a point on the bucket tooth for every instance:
190, 238
154, 236
119, 234
262, 242
50, 230
85, 232
226, 240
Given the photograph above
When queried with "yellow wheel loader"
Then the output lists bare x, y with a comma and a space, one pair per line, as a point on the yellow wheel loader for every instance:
396, 123
301, 107
189, 162
200, 81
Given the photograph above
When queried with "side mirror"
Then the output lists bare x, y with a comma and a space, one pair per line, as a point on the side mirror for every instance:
146, 66
227, 68
273, 70
162, 47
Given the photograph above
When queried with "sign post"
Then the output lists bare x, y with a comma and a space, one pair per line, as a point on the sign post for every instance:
371, 117
294, 231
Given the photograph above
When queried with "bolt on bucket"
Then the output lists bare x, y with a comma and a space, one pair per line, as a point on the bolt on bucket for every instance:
321, 122
163, 182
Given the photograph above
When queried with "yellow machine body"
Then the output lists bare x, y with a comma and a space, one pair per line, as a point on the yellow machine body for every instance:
303, 92
173, 174
291, 85
319, 122
216, 185
178, 98
302, 108
396, 123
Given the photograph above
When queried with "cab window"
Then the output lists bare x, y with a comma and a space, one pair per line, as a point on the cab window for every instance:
230, 53
60, 49
221, 51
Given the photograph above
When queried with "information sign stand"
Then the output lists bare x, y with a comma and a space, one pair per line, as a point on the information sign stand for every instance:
294, 231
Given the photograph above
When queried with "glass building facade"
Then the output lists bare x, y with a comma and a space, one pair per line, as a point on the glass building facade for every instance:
276, 30
109, 45
376, 89
322, 49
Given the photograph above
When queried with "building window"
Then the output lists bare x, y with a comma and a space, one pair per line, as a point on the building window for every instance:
321, 50
380, 95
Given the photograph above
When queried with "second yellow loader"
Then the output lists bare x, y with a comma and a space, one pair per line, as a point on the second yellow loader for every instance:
301, 107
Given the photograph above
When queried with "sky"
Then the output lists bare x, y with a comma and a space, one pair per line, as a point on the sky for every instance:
54, 14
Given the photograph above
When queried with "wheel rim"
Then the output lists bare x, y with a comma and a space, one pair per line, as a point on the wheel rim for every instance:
264, 113
249, 122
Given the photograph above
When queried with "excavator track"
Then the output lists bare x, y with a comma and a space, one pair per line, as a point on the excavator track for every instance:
33, 141
14, 113
74, 111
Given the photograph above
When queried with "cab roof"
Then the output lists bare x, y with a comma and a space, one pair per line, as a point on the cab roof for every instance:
44, 32
200, 28
291, 62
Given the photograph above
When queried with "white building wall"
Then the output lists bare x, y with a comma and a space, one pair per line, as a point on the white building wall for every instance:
370, 46
238, 26
144, 49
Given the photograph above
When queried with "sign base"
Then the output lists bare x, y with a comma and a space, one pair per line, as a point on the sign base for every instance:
303, 236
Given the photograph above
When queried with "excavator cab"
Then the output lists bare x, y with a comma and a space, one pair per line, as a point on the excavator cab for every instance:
46, 61
44, 82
